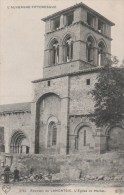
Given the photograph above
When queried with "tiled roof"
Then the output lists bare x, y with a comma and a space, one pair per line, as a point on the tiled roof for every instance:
17, 107
76, 6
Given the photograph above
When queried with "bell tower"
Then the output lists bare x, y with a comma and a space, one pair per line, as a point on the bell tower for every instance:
76, 38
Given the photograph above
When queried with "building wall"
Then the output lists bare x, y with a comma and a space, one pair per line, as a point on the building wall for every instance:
58, 87
16, 122
81, 101
2, 141
49, 111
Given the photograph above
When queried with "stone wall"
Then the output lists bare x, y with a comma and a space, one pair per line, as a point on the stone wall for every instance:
55, 97
14, 122
81, 101
2, 141
79, 38
49, 111
76, 125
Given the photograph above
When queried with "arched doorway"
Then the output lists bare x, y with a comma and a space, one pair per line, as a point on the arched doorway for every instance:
19, 143
115, 139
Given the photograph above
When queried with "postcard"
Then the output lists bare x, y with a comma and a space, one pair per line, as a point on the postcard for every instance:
61, 97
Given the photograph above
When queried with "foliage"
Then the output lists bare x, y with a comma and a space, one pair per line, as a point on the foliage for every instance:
108, 95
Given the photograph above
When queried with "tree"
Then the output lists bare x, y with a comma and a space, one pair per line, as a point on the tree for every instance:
108, 95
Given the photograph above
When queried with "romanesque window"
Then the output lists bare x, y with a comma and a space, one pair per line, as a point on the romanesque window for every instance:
68, 50
101, 54
90, 19
52, 135
101, 26
56, 23
89, 49
69, 18
54, 53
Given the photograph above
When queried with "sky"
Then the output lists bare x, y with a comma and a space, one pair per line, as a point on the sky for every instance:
22, 41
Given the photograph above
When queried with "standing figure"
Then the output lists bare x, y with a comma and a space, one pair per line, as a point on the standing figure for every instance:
6, 174
16, 174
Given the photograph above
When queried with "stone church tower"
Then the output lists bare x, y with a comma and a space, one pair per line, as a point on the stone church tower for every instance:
77, 42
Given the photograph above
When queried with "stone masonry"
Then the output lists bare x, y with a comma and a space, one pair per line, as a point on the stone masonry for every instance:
77, 42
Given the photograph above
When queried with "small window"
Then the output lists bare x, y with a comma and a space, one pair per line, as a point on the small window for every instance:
48, 83
84, 137
54, 136
88, 81
56, 23
69, 18
101, 26
90, 19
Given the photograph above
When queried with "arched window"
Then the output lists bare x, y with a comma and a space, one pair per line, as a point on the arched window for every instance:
54, 52
68, 49
52, 135
84, 139
101, 54
115, 139
89, 50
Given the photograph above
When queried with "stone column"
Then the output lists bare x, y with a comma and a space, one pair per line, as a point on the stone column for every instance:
47, 57
64, 126
72, 143
77, 14
82, 51
7, 138
76, 50
61, 21
103, 143
95, 51
100, 141
97, 140
33, 127
61, 57
96, 23
48, 26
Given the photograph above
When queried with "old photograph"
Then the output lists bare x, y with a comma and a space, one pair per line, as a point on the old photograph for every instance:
62, 97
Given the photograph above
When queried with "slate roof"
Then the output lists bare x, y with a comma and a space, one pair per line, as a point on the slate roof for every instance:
17, 107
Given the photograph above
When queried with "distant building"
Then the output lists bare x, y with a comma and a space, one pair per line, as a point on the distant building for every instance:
77, 41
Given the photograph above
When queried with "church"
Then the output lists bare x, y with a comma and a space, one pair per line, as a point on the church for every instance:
77, 41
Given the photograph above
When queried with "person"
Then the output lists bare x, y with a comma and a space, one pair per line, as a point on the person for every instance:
6, 174
16, 174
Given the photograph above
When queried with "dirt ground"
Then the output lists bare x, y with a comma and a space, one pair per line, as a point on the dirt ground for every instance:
70, 183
